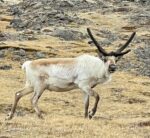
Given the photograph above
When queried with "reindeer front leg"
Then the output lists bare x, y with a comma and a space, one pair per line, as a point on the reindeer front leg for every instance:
38, 91
94, 109
86, 104
89, 92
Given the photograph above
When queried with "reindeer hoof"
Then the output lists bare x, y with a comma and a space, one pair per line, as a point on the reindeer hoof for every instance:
40, 116
9, 116
91, 114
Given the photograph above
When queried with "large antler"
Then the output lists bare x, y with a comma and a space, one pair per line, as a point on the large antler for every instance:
101, 50
116, 53
127, 43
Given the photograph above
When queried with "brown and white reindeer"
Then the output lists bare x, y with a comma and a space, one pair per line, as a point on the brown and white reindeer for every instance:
64, 74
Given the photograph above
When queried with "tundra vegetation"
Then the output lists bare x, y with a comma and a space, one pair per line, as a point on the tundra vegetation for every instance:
50, 29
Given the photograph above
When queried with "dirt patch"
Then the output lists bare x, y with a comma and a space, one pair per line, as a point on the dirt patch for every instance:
146, 94
126, 100
144, 124
135, 100
5, 137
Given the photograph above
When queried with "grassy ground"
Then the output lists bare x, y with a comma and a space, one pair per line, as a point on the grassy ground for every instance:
122, 113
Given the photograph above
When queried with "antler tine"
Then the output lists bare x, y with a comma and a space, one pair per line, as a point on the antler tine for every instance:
122, 53
101, 50
127, 43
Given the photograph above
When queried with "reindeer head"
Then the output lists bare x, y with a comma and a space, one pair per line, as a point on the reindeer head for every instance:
112, 57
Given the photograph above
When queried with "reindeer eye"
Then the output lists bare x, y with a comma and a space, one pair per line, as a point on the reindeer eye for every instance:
104, 59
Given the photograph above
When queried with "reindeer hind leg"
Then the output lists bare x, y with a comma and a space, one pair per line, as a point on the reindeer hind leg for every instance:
18, 96
34, 101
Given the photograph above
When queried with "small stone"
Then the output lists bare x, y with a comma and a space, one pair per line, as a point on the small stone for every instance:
68, 34
5, 67
40, 55
21, 52
46, 30
16, 58
37, 27
31, 38
28, 31
2, 54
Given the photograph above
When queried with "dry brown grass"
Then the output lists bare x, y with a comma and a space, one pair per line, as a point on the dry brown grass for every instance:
124, 111
124, 108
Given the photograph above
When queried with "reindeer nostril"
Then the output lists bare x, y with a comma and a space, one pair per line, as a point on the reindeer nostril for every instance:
112, 67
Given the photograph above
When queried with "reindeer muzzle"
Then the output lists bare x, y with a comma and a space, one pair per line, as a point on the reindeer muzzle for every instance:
112, 68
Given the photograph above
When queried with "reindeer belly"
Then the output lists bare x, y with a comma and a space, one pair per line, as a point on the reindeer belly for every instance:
60, 85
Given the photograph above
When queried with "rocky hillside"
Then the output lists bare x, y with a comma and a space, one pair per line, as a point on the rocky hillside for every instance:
68, 20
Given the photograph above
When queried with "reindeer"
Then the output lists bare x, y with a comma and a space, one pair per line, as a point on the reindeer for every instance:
64, 74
